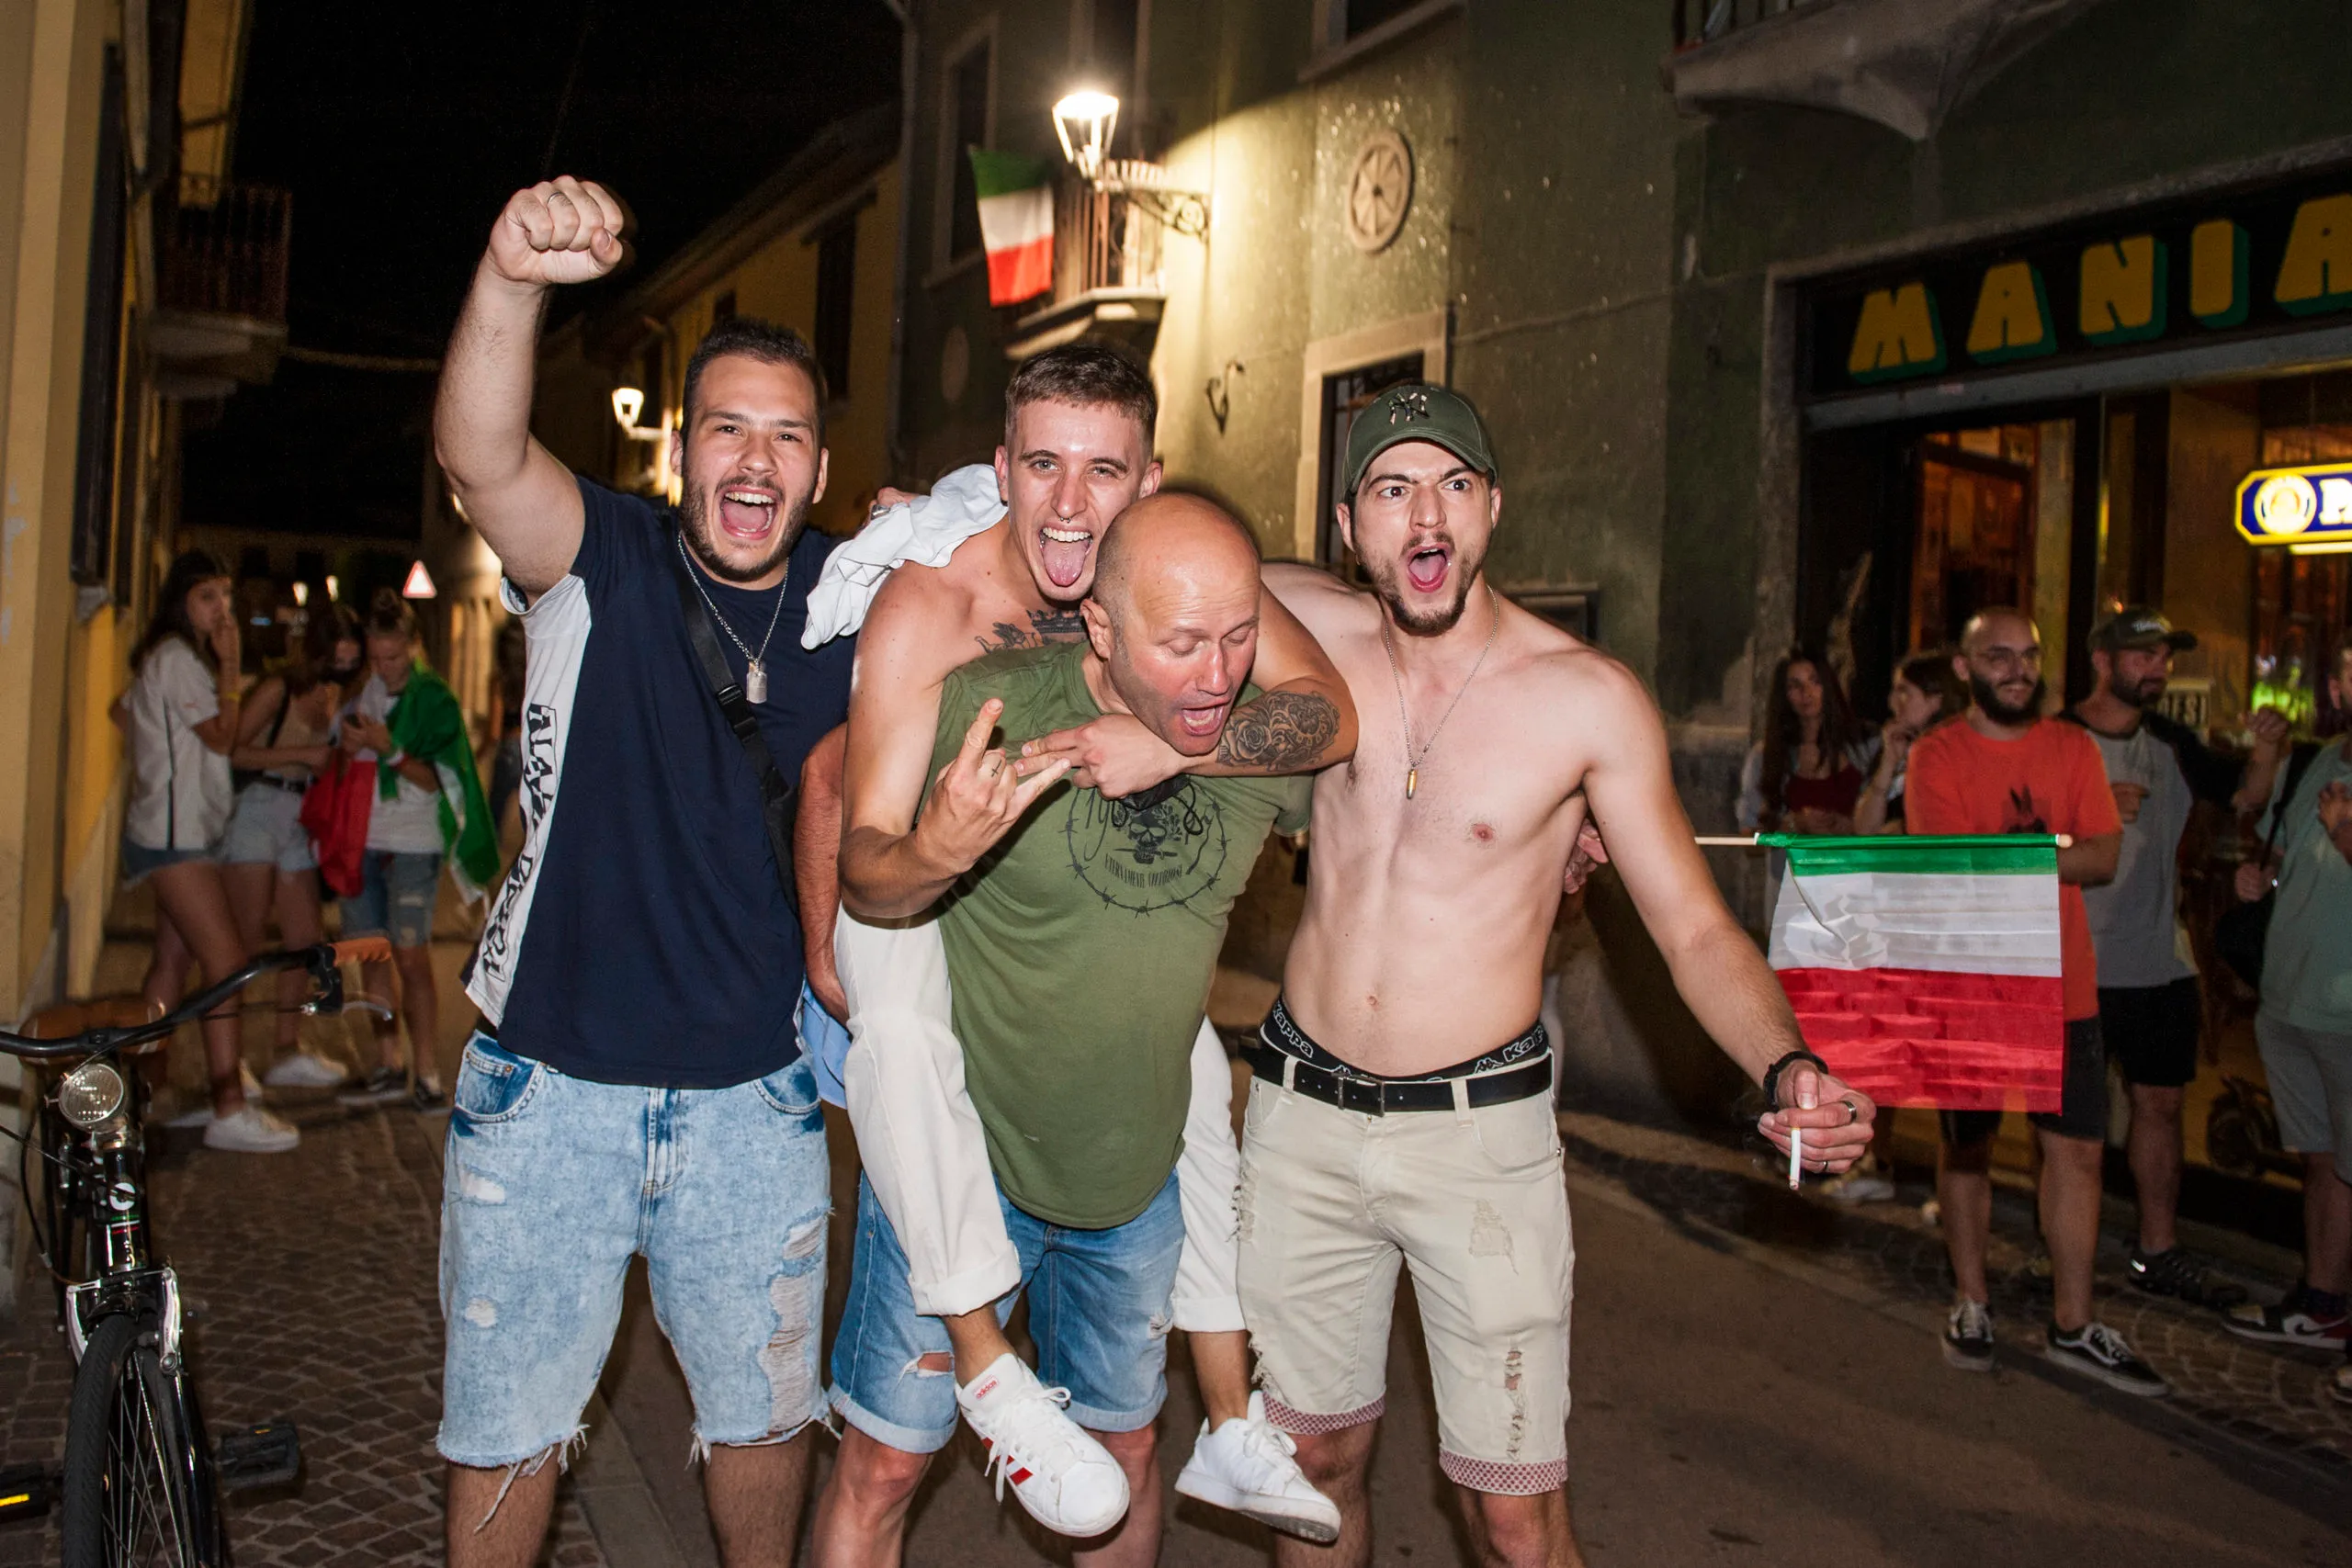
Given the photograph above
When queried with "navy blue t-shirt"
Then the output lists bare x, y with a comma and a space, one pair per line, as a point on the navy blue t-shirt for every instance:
641, 936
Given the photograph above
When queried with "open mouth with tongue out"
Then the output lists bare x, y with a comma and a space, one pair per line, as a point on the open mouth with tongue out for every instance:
1065, 552
747, 512
1426, 568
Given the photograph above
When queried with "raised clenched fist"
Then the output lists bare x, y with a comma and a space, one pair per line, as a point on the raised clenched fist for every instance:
559, 230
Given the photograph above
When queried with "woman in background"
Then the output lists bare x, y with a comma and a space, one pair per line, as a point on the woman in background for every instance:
1806, 773
282, 744
428, 808
181, 716
1923, 696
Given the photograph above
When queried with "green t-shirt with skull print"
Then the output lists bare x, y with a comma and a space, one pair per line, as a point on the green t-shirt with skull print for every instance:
1081, 948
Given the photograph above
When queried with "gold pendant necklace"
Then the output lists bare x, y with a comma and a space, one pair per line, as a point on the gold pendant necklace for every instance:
1414, 759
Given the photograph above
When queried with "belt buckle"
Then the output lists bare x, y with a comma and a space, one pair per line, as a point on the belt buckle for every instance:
1361, 1094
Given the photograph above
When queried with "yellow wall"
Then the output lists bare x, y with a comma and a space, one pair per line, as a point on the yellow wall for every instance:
778, 282
49, 104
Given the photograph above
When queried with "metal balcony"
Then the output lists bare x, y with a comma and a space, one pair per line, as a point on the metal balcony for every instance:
1107, 276
221, 263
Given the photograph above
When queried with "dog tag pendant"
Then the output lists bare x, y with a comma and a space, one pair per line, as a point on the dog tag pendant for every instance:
755, 682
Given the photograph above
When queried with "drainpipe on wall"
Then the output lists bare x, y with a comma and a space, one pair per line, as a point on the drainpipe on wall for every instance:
894, 440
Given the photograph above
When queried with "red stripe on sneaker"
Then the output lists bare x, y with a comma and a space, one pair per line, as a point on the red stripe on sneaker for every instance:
1021, 1478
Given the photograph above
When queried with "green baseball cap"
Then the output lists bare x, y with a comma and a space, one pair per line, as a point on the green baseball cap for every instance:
1417, 410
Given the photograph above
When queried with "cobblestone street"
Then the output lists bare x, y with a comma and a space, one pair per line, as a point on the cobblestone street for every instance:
1703, 1287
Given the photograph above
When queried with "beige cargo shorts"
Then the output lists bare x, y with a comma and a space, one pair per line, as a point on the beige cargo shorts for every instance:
1473, 1202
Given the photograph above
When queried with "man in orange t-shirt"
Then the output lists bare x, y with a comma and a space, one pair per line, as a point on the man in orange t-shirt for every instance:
2002, 768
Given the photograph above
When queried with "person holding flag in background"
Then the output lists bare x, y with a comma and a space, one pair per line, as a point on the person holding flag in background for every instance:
2004, 769
426, 805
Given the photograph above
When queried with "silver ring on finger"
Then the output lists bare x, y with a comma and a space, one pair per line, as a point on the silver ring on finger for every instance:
1853, 1111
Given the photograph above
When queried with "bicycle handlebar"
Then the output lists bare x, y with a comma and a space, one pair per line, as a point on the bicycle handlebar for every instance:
97, 1034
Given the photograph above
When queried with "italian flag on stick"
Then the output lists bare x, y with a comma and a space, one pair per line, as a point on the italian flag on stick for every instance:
1926, 971
1016, 224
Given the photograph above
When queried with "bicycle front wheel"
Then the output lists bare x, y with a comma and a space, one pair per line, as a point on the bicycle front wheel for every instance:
136, 1489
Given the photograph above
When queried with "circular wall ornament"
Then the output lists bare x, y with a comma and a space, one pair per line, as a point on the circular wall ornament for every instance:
954, 364
1380, 191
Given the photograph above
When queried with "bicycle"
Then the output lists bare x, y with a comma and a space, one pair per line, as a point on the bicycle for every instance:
141, 1483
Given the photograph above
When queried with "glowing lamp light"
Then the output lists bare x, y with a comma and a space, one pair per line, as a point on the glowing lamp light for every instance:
419, 584
303, 594
1084, 121
335, 589
628, 403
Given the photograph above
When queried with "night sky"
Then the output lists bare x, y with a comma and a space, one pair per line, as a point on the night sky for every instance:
401, 129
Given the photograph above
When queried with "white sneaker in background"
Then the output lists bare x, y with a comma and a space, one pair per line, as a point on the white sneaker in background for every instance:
250, 1129
198, 1114
1248, 1465
1067, 1480
304, 1069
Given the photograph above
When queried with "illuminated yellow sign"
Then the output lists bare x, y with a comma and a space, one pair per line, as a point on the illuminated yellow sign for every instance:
2307, 509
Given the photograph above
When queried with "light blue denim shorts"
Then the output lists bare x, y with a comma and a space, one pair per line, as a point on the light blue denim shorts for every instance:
395, 898
1099, 1309
553, 1183
266, 829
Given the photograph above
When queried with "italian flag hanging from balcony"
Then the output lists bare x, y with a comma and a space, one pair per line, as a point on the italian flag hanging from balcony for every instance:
1016, 224
1925, 971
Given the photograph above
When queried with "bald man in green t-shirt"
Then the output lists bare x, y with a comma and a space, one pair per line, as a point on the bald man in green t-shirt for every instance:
1082, 933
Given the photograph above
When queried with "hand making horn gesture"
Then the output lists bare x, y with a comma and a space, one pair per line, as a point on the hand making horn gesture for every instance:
559, 230
978, 796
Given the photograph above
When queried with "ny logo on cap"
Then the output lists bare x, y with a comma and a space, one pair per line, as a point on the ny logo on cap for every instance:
1408, 406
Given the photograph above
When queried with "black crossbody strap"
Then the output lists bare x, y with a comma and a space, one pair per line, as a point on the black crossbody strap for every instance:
779, 796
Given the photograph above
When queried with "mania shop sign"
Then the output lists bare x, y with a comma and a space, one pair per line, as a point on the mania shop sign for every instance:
2221, 268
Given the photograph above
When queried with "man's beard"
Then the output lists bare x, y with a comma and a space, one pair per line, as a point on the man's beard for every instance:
696, 525
2145, 693
2001, 712
1424, 623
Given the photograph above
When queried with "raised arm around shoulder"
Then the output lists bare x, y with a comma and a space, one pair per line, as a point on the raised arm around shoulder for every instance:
1630, 786
523, 501
1303, 719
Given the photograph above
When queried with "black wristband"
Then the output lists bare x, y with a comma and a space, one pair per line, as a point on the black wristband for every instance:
1773, 1073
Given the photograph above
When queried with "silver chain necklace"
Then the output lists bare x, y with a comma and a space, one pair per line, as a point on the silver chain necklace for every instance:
1413, 760
755, 675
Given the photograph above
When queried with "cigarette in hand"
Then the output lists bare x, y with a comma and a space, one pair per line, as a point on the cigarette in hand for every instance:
1796, 1158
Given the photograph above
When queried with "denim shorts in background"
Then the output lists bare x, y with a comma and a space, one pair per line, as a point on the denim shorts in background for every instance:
138, 862
266, 829
553, 1183
395, 899
1099, 1309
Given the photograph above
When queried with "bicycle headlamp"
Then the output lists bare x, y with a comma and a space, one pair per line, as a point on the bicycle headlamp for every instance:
91, 1095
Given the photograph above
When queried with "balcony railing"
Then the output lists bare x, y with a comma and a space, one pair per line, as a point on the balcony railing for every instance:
1105, 239
1703, 21
221, 250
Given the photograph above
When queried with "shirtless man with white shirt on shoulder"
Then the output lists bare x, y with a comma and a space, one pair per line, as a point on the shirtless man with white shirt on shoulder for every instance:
1402, 1109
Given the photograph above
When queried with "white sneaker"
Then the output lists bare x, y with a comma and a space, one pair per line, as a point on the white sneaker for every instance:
1247, 1465
1068, 1481
198, 1114
304, 1069
250, 1129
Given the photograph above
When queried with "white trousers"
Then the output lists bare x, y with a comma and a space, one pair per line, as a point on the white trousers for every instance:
928, 1160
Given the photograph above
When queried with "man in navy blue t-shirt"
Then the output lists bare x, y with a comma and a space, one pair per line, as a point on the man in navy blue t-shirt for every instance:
635, 1086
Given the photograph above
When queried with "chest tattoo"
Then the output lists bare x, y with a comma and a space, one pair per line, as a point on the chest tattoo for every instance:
1045, 626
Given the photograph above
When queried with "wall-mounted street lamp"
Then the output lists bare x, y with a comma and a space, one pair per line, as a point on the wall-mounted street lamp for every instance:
628, 403
1085, 121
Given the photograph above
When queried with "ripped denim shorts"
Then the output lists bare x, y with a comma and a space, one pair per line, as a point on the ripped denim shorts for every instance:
1099, 1309
553, 1183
